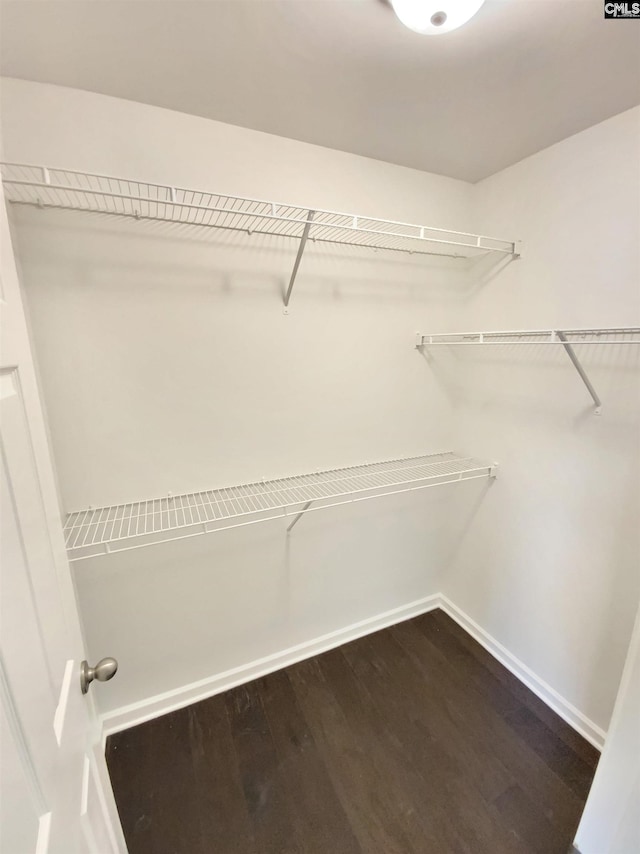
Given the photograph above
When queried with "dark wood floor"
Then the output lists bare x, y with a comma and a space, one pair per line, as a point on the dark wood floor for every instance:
413, 739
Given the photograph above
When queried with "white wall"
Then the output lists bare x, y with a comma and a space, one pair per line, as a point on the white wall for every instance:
167, 365
550, 566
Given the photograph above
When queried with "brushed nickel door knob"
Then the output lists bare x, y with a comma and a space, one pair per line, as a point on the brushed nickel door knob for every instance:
104, 670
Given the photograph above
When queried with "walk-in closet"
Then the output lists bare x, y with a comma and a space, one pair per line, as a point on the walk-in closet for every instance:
320, 422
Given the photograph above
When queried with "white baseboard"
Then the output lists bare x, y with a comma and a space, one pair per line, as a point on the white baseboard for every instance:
161, 704
574, 717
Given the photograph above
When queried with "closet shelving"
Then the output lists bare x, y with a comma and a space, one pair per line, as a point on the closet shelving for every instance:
120, 527
48, 187
566, 338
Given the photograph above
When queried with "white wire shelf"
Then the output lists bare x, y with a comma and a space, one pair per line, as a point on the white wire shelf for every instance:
121, 527
610, 335
567, 338
82, 191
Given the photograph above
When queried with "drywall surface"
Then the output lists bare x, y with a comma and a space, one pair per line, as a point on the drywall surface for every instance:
166, 360
189, 610
610, 823
75, 129
167, 365
550, 567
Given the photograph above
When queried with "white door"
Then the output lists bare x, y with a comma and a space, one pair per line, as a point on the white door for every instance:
55, 794
610, 822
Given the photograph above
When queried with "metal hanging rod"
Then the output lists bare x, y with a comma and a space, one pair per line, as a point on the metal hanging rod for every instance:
121, 527
69, 189
566, 338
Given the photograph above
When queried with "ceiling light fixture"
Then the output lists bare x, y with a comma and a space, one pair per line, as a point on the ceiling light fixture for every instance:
434, 17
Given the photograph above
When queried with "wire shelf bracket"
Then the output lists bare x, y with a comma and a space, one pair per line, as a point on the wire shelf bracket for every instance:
49, 187
303, 243
566, 338
299, 516
122, 527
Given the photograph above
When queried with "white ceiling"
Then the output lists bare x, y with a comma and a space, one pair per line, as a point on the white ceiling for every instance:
345, 74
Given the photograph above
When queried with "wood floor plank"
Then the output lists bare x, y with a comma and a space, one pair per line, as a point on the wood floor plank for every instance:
545, 741
412, 740
261, 777
560, 804
421, 805
378, 813
494, 692
525, 819
152, 775
566, 763
488, 664
317, 812
458, 817
465, 812
430, 696
221, 806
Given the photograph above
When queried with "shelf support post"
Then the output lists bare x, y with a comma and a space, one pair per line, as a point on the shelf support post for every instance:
304, 510
583, 376
303, 240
